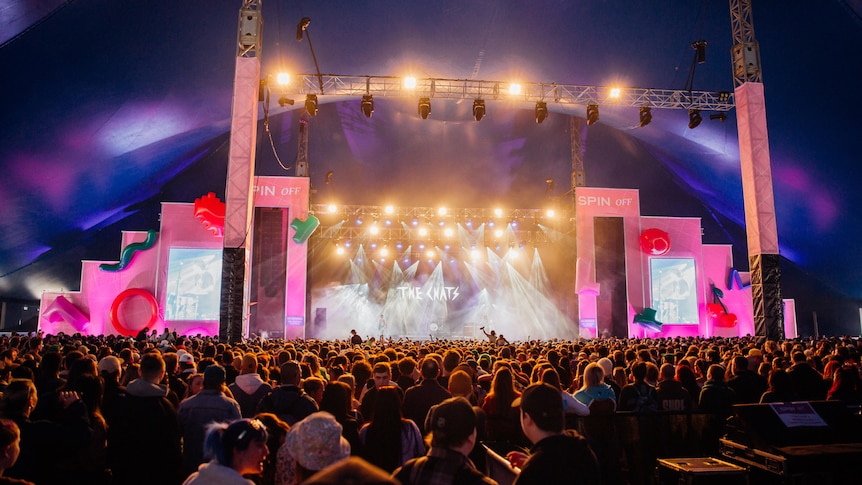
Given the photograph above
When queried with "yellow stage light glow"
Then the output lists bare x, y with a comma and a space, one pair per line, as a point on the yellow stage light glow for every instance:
514, 89
384, 252
550, 213
498, 233
498, 212
615, 93
410, 82
448, 232
282, 78
429, 254
332, 208
389, 209
339, 250
475, 254
374, 229
441, 211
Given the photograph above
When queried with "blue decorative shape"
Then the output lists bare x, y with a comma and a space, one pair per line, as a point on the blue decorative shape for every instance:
735, 278
129, 252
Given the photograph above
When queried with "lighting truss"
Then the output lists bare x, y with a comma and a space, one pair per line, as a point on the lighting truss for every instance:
525, 232
469, 89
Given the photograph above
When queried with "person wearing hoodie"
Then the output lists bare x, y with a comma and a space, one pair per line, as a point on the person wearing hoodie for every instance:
558, 455
152, 438
248, 388
595, 388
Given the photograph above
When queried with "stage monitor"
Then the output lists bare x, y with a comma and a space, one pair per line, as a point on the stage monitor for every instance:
674, 290
193, 288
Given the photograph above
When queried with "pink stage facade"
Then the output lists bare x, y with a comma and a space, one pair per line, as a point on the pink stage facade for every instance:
171, 279
645, 276
636, 276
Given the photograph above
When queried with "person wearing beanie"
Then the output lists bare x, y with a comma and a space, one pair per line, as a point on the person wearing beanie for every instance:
195, 413
453, 436
558, 455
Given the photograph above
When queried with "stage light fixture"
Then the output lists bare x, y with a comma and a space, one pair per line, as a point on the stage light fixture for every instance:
282, 79
694, 118
478, 109
514, 89
720, 116
284, 101
592, 114
311, 104
645, 115
367, 105
700, 47
723, 96
424, 108
410, 83
541, 111
615, 93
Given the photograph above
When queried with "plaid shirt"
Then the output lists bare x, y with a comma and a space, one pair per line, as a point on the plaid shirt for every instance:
441, 466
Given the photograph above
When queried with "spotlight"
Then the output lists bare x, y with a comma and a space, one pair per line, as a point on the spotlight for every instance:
700, 47
694, 118
541, 111
478, 109
367, 105
284, 100
311, 104
720, 116
424, 108
301, 26
645, 115
723, 96
592, 113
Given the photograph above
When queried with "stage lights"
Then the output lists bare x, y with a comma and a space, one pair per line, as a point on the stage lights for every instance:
478, 109
311, 104
700, 48
409, 83
694, 118
720, 116
424, 108
645, 115
592, 114
367, 105
283, 101
723, 96
541, 111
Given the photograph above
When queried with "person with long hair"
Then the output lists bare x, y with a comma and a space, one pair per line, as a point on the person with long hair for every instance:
846, 386
389, 440
503, 422
594, 387
336, 401
234, 449
10, 440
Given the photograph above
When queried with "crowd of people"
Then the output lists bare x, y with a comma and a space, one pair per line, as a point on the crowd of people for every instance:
178, 409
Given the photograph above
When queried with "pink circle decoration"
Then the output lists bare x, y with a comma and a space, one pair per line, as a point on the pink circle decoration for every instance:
115, 308
655, 242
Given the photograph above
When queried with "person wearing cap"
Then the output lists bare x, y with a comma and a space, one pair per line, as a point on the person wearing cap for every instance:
453, 435
195, 413
312, 444
558, 455
235, 449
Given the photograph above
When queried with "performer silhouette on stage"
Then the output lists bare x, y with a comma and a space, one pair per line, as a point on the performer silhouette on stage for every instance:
381, 327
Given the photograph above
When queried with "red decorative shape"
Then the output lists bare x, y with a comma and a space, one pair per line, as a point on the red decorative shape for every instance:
715, 310
210, 211
115, 307
655, 242
727, 320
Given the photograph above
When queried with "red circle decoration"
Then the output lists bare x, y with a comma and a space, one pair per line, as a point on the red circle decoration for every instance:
655, 242
115, 307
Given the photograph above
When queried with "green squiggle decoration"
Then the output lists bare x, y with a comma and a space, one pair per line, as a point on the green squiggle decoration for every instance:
129, 251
